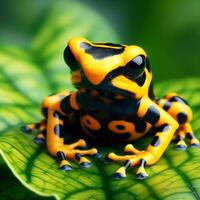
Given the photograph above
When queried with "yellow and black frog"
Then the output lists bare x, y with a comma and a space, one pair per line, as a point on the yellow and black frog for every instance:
114, 100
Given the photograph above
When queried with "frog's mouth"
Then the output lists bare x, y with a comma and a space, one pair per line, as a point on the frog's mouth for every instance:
109, 94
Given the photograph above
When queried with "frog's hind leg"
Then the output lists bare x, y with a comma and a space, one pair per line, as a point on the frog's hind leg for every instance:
185, 132
179, 139
179, 109
41, 126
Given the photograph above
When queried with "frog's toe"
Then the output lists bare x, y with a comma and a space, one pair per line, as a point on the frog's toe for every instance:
80, 148
141, 172
129, 148
141, 176
81, 144
181, 145
83, 162
194, 143
86, 164
40, 139
26, 129
65, 166
120, 173
118, 176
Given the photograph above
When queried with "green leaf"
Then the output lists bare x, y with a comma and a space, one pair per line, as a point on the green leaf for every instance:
11, 189
28, 75
176, 175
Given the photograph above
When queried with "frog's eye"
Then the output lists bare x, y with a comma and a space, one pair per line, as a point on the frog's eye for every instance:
135, 67
138, 61
70, 59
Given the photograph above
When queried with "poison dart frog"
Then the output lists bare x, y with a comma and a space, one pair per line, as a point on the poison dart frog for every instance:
114, 100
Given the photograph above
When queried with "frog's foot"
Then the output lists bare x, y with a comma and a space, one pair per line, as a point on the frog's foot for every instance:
71, 152
180, 141
29, 128
136, 158
40, 139
64, 164
185, 132
194, 142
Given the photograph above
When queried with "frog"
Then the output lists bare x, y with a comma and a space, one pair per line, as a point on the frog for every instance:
114, 100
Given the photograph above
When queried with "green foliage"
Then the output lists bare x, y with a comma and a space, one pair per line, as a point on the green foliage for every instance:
28, 75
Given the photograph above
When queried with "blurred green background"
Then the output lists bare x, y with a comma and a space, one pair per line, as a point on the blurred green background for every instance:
169, 31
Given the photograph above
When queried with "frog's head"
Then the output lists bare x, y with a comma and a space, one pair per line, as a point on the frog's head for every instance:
114, 68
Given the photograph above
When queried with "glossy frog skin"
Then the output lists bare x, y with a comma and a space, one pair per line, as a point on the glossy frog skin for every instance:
114, 101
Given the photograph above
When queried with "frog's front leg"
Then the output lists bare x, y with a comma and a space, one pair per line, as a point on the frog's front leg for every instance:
55, 133
166, 127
